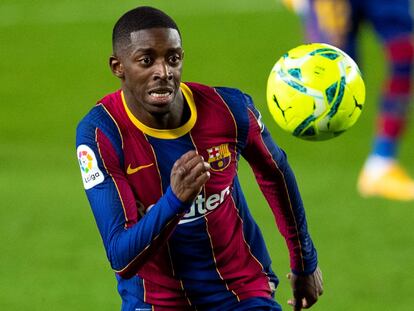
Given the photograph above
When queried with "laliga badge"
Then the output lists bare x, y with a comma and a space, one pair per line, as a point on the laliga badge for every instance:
91, 174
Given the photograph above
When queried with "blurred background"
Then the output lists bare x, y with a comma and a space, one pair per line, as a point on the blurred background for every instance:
54, 67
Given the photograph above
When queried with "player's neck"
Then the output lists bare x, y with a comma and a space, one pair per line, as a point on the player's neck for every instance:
176, 117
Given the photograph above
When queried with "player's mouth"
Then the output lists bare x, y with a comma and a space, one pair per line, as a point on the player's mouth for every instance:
161, 95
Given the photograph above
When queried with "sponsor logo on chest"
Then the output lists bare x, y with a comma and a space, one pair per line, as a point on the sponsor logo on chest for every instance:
203, 206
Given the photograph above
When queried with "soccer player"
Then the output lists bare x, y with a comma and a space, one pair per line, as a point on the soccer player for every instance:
158, 160
338, 22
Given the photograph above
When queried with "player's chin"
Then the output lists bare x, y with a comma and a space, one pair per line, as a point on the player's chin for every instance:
159, 108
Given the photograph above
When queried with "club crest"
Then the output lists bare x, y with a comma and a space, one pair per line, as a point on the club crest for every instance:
219, 157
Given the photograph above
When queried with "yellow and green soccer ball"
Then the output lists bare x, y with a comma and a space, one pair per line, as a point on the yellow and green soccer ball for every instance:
315, 91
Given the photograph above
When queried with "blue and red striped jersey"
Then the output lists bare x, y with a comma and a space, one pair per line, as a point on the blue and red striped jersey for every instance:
176, 255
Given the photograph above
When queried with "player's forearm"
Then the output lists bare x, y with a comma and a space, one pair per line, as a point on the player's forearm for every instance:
303, 257
281, 192
292, 222
128, 249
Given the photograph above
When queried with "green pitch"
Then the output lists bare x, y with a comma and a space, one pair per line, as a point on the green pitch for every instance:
54, 57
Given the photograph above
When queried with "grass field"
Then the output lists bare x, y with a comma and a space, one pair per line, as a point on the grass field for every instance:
53, 69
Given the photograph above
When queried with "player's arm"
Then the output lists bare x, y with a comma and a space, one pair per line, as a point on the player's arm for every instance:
278, 184
128, 243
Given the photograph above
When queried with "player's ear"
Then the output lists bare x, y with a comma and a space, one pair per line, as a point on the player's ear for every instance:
116, 66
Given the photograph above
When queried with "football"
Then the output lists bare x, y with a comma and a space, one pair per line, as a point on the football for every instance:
315, 91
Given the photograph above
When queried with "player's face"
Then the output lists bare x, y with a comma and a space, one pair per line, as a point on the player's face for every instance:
151, 70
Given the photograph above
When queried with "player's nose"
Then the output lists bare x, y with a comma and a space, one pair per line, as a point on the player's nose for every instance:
163, 71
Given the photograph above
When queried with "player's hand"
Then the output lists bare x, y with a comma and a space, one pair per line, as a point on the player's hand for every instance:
306, 289
188, 175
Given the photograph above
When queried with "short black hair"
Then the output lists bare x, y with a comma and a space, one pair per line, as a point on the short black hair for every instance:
143, 17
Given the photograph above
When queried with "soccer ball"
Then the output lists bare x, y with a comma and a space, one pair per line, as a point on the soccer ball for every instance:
315, 91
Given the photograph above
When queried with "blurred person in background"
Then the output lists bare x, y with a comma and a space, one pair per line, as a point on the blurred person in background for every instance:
338, 22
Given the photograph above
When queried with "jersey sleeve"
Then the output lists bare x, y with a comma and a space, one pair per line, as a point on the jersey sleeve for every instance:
278, 184
128, 242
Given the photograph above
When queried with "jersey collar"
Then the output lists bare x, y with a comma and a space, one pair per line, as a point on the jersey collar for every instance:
167, 133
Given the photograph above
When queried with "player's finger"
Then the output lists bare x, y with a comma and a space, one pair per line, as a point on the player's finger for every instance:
185, 164
309, 302
320, 286
196, 171
185, 157
196, 183
193, 163
298, 300
205, 175
202, 179
319, 282
296, 304
206, 169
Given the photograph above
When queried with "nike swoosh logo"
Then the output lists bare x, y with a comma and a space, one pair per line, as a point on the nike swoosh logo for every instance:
131, 170
184, 221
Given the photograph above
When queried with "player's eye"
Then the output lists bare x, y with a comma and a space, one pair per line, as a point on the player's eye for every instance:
145, 60
174, 59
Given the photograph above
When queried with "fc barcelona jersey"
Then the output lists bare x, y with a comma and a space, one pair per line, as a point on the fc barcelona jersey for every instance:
178, 255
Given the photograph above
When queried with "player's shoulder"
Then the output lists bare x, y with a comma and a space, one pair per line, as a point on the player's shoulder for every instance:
100, 108
99, 116
230, 95
240, 103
